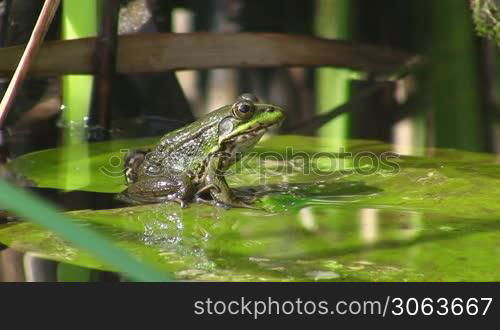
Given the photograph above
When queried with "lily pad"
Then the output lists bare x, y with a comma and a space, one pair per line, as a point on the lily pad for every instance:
355, 212
96, 167
316, 243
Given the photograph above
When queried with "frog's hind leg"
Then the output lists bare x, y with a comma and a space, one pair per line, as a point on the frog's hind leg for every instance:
161, 189
133, 160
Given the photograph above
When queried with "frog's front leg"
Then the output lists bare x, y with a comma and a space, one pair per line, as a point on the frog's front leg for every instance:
216, 185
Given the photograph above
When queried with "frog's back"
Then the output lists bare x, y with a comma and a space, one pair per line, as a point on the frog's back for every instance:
203, 127
185, 149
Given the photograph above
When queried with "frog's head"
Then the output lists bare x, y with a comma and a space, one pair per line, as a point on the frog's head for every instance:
243, 123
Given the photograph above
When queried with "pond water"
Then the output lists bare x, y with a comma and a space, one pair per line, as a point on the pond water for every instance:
363, 214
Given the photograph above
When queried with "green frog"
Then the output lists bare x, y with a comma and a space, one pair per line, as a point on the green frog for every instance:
189, 163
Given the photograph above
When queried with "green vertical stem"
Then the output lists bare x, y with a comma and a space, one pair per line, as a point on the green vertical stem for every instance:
79, 20
416, 39
457, 122
332, 20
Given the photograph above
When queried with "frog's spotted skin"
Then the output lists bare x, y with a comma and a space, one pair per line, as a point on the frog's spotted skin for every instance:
189, 163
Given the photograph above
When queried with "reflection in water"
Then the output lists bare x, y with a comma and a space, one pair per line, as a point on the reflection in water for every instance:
167, 228
369, 225
306, 218
38, 269
404, 133
207, 243
321, 238
395, 225
17, 266
11, 266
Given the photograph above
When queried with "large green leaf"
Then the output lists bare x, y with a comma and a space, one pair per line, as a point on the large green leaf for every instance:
317, 243
436, 218
91, 167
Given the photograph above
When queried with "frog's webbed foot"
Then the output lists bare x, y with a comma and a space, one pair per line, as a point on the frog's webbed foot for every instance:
203, 195
222, 196
205, 200
235, 202
181, 202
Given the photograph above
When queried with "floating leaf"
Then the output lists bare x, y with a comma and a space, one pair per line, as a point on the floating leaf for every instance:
358, 214
316, 243
61, 168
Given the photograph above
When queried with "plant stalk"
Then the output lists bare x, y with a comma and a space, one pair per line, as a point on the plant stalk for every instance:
41, 27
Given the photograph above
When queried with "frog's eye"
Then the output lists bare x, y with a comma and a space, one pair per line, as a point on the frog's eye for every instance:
243, 110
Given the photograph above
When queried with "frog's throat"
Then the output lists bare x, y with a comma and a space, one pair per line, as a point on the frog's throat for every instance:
255, 133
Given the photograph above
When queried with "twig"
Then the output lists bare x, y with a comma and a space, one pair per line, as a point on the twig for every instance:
41, 27
311, 125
